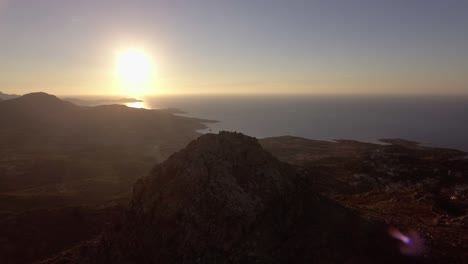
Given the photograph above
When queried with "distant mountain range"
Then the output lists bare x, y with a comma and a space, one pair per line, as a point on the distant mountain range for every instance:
82, 102
85, 155
7, 96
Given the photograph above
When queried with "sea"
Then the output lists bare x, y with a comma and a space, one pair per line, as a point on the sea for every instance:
439, 121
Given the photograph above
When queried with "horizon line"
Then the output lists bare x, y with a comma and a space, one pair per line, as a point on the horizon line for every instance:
235, 94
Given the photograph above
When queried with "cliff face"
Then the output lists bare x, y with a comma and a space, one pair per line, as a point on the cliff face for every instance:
210, 197
223, 199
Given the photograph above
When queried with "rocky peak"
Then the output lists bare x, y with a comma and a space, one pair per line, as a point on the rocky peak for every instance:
228, 166
211, 194
223, 199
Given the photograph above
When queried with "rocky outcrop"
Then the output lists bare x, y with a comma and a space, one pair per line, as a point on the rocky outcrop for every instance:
223, 199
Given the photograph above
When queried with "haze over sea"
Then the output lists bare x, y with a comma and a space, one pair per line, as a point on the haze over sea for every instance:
431, 120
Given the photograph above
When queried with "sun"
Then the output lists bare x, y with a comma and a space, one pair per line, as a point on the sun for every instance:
135, 71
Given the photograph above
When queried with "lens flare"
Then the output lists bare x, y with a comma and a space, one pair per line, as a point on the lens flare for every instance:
411, 243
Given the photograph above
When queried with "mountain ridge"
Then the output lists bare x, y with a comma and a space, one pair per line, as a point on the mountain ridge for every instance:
223, 199
52, 148
4, 96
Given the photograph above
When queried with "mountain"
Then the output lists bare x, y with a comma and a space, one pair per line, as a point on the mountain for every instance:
7, 96
38, 99
224, 199
35, 109
54, 153
50, 116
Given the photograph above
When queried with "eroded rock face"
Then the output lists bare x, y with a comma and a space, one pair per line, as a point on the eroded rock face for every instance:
204, 203
211, 194
223, 199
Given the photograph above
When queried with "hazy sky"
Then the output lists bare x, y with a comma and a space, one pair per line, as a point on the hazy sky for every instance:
199, 46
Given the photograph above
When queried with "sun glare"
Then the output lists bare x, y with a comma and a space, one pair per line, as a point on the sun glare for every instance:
135, 71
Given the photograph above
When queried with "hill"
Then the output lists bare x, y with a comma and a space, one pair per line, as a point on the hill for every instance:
54, 153
223, 199
4, 96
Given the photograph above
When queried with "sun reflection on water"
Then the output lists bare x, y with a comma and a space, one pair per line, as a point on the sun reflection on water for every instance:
136, 105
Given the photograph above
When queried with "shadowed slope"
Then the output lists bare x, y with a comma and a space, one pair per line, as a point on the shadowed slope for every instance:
54, 153
223, 199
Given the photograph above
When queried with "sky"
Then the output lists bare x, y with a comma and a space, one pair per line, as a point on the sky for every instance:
68, 47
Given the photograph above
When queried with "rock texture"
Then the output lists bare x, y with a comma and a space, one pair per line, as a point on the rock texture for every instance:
223, 199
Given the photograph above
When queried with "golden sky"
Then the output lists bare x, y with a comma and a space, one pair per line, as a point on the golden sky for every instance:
196, 47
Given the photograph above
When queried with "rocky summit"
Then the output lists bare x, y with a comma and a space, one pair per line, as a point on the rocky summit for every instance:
224, 199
